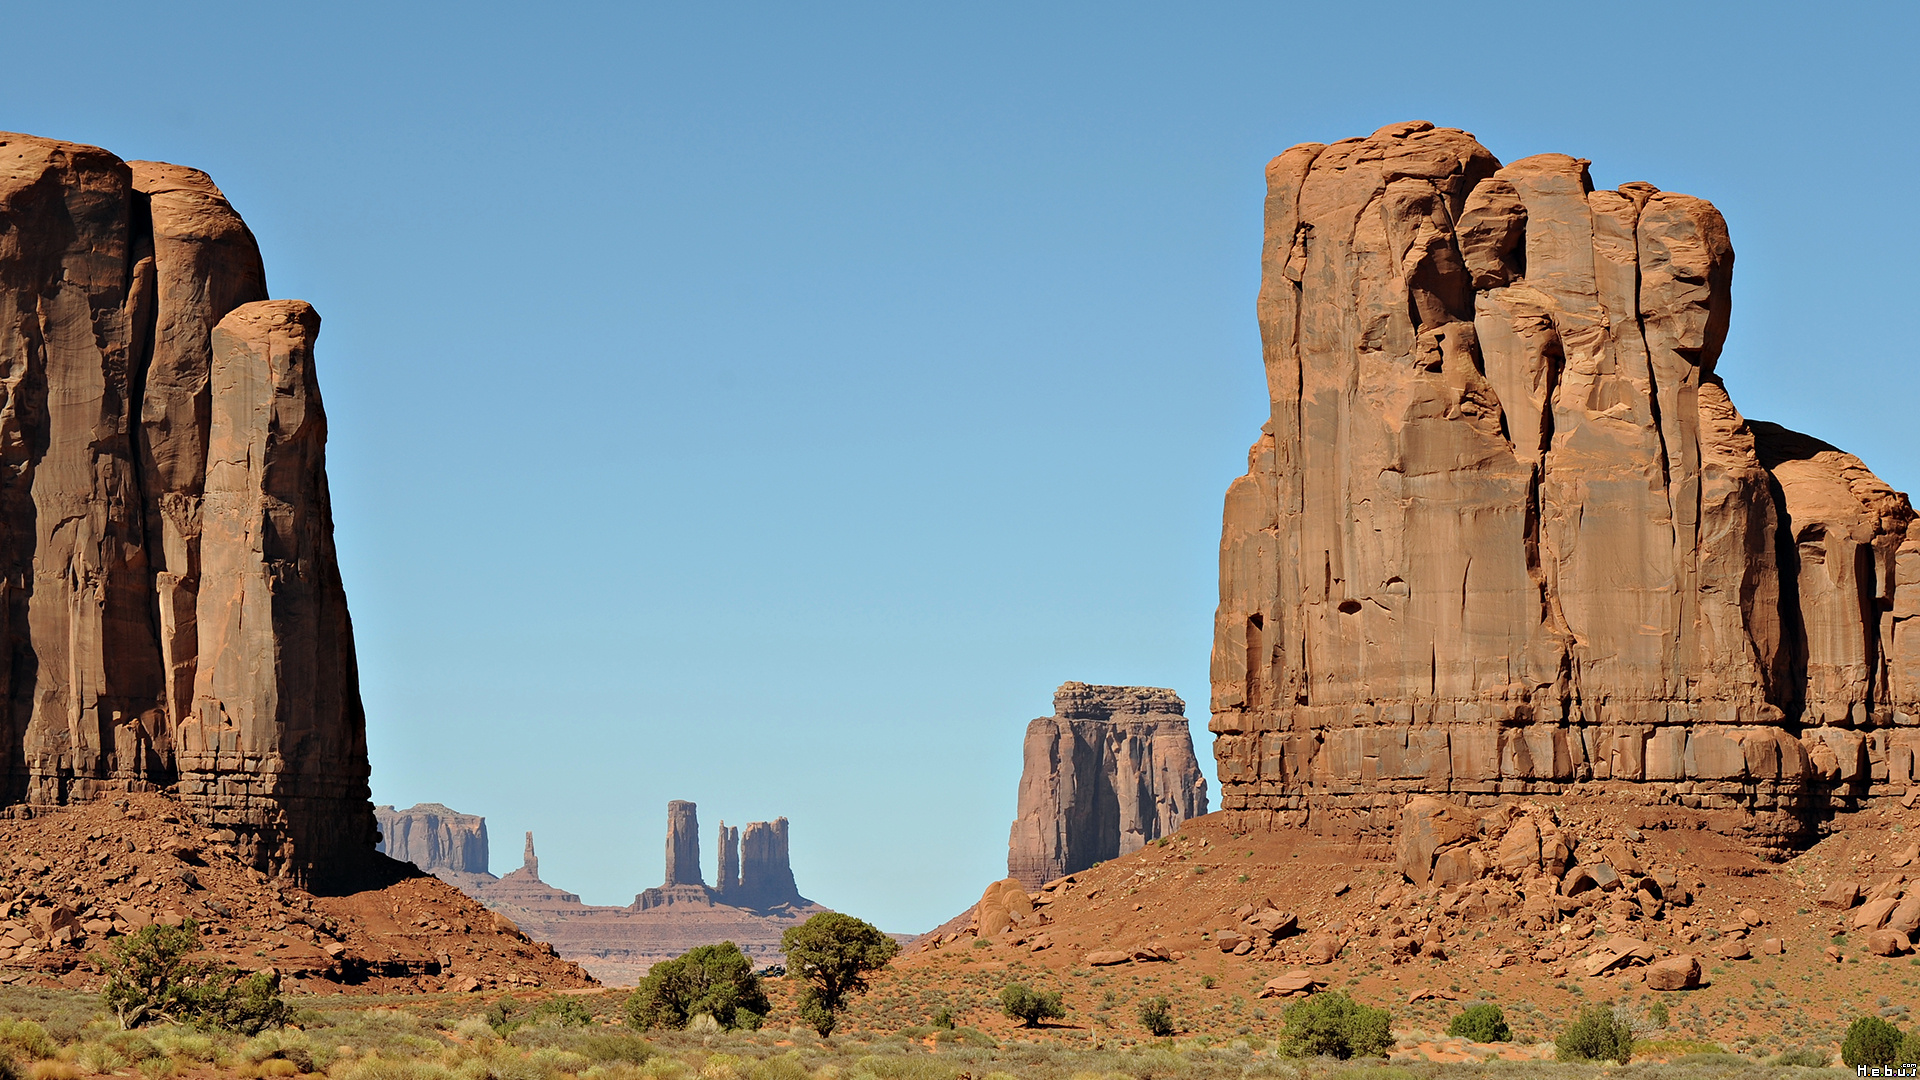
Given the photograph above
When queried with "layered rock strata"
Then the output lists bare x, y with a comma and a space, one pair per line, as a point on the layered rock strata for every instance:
1111, 770
434, 838
170, 602
1505, 532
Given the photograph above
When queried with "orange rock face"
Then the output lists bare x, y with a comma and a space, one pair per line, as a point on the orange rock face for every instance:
1112, 770
1504, 531
169, 598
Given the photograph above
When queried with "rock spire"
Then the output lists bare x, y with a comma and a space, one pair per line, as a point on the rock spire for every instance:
1112, 769
162, 474
683, 844
1504, 531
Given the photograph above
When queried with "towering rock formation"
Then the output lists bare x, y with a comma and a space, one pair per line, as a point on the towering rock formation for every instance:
766, 875
170, 604
1504, 531
1112, 769
729, 860
683, 844
529, 862
434, 838
754, 869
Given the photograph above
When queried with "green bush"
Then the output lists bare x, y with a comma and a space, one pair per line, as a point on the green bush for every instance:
151, 978
943, 1019
562, 1011
833, 954
1030, 1006
1483, 1022
1156, 1016
1870, 1041
1596, 1035
714, 980
1910, 1048
25, 1038
1334, 1025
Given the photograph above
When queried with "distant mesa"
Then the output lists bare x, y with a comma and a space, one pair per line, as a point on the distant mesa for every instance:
1111, 770
434, 838
752, 903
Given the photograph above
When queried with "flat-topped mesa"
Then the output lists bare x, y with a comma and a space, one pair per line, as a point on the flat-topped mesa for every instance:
162, 472
435, 838
1111, 770
1505, 532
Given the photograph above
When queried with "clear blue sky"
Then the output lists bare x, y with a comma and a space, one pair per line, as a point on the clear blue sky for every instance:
768, 405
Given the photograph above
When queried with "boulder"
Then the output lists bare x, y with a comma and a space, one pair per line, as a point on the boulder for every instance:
1617, 952
1674, 973
1428, 827
1841, 895
1294, 983
1272, 923
1888, 943
1108, 957
1905, 918
1873, 914
1324, 949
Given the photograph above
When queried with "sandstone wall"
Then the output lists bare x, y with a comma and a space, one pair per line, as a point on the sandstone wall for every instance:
1504, 531
170, 601
1112, 769
435, 838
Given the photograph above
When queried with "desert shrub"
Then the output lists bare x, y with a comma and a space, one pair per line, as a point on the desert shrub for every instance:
1334, 1025
8, 1070
1870, 1041
1030, 1006
151, 977
943, 1019
374, 1067
1804, 1056
1910, 1048
562, 1011
714, 980
1658, 1015
833, 954
25, 1039
1595, 1035
1482, 1022
1156, 1016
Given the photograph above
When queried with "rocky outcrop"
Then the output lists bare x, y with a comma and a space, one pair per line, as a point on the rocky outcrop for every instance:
1112, 769
766, 874
683, 844
434, 838
754, 869
169, 595
1504, 531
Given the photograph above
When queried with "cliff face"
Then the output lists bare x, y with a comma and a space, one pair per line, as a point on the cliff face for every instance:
1504, 531
434, 838
1112, 769
170, 603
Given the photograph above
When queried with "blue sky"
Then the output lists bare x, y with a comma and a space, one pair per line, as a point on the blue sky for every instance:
769, 405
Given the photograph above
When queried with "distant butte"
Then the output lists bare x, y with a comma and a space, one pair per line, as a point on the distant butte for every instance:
752, 904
